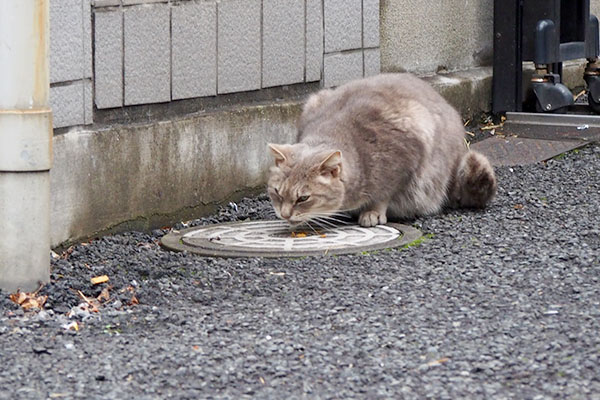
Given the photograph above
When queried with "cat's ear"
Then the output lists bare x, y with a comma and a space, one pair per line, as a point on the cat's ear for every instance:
281, 152
332, 164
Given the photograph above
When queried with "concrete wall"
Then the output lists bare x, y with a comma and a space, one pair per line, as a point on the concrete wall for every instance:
429, 36
433, 35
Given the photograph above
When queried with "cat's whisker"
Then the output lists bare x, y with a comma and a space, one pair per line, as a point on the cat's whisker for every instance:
311, 227
325, 223
322, 225
330, 223
337, 221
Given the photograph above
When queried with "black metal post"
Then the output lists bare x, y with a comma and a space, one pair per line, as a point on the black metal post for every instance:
508, 71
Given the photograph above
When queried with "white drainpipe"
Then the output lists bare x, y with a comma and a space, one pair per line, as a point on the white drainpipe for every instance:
25, 144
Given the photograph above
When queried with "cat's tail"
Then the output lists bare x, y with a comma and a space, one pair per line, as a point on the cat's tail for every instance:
475, 182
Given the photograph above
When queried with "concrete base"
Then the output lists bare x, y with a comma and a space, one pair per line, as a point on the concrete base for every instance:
149, 175
25, 245
470, 91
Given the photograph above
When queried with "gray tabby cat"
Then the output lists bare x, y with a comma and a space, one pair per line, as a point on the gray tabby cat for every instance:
382, 147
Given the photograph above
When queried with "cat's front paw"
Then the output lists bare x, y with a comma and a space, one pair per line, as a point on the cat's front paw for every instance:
371, 218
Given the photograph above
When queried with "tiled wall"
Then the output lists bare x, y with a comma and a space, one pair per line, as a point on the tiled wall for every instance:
71, 62
155, 51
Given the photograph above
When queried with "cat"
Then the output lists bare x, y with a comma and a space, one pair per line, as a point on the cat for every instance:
387, 146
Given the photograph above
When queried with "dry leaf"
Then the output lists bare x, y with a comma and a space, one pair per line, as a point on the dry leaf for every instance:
99, 279
28, 300
518, 206
134, 300
104, 295
92, 303
18, 297
67, 252
323, 235
298, 235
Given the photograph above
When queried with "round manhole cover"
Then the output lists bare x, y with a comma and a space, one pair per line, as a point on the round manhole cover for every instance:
274, 239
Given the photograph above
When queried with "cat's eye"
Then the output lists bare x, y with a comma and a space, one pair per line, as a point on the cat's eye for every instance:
302, 199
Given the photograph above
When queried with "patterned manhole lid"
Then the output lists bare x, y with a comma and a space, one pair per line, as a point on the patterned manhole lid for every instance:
274, 239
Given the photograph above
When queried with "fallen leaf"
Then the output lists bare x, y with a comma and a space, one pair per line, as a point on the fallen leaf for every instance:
323, 235
92, 303
18, 297
34, 302
129, 288
104, 295
298, 235
134, 300
67, 253
99, 279
28, 300
518, 206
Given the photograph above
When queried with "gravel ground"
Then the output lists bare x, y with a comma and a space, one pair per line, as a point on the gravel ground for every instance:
500, 303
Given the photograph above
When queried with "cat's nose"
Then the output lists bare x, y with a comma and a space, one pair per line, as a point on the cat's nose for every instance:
286, 212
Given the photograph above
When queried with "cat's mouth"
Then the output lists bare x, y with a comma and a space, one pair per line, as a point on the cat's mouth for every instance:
297, 225
295, 222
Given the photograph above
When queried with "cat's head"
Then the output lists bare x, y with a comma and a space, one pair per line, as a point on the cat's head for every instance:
305, 183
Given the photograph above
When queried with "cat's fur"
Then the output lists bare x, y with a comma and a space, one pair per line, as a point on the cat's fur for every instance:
383, 147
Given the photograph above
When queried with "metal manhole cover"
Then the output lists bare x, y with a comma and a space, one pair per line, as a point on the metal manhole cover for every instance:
274, 239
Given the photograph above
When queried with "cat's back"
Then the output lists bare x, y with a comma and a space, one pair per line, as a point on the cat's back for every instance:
369, 99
